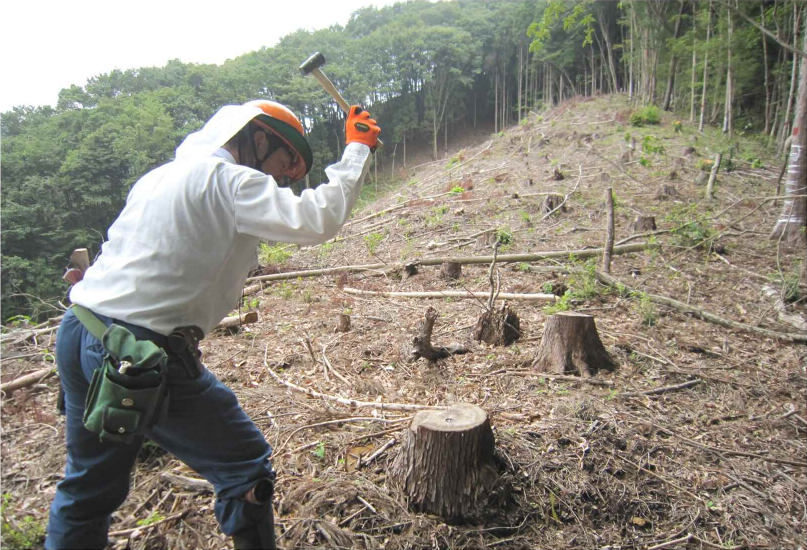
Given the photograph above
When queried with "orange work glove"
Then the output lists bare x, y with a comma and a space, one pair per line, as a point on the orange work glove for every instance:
360, 128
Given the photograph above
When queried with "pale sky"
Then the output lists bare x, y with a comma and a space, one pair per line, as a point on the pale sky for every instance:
47, 45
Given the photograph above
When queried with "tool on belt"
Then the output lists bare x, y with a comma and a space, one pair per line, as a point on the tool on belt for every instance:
128, 393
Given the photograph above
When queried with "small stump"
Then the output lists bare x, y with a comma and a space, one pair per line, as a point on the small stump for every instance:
409, 270
666, 192
421, 345
344, 323
551, 202
644, 223
499, 328
446, 464
571, 345
451, 271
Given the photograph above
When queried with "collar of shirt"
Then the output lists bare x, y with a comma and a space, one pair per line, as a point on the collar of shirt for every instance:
225, 154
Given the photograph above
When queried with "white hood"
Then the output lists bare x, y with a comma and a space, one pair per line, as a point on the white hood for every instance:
218, 130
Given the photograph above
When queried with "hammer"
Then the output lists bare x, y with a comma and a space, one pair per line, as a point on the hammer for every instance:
311, 66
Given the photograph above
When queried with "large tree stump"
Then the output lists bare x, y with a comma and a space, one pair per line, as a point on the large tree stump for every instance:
499, 328
571, 345
446, 464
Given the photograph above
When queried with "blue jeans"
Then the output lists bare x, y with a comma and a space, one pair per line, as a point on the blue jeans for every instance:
205, 427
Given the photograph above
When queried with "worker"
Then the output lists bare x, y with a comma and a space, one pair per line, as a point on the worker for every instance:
175, 264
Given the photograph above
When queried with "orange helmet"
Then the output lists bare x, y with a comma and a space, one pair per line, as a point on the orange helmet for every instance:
280, 121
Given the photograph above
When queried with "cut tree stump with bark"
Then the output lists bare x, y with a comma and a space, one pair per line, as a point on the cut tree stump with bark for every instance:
551, 202
667, 192
409, 270
344, 323
499, 328
451, 271
643, 223
421, 345
571, 345
446, 463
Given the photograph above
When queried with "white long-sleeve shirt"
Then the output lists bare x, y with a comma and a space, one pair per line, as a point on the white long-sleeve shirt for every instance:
181, 249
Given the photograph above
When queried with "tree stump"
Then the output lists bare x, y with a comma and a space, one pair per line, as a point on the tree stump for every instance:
451, 271
643, 223
571, 345
446, 463
344, 323
666, 191
551, 202
499, 328
422, 343
409, 270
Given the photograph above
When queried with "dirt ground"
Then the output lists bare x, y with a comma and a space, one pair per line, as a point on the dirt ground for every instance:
622, 460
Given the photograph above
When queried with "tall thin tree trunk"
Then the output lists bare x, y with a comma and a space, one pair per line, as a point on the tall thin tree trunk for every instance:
767, 72
785, 127
793, 217
692, 87
728, 118
673, 62
496, 104
607, 38
520, 76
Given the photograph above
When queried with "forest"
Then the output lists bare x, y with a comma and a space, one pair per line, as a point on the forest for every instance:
427, 71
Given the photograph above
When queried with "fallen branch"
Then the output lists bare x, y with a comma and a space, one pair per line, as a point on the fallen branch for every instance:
353, 403
18, 337
564, 377
128, 532
29, 379
376, 454
188, 483
451, 294
238, 320
501, 258
665, 389
703, 314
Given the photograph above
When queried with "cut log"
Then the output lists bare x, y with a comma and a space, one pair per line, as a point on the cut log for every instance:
28, 380
446, 463
422, 346
571, 345
643, 223
499, 328
344, 323
238, 320
451, 271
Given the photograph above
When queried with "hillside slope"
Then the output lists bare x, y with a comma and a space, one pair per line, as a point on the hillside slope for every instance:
720, 464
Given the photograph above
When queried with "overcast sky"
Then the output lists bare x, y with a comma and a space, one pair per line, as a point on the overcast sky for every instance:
48, 45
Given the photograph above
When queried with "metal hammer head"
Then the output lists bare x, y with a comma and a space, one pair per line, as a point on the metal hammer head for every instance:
314, 62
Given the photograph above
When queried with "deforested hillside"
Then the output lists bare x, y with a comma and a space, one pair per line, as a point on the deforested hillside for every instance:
653, 400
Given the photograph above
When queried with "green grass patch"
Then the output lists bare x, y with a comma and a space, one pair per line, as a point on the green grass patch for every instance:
646, 116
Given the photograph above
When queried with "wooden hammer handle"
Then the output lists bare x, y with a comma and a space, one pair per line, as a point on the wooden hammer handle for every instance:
331, 89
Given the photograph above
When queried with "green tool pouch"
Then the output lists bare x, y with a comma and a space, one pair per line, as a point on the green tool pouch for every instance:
128, 394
